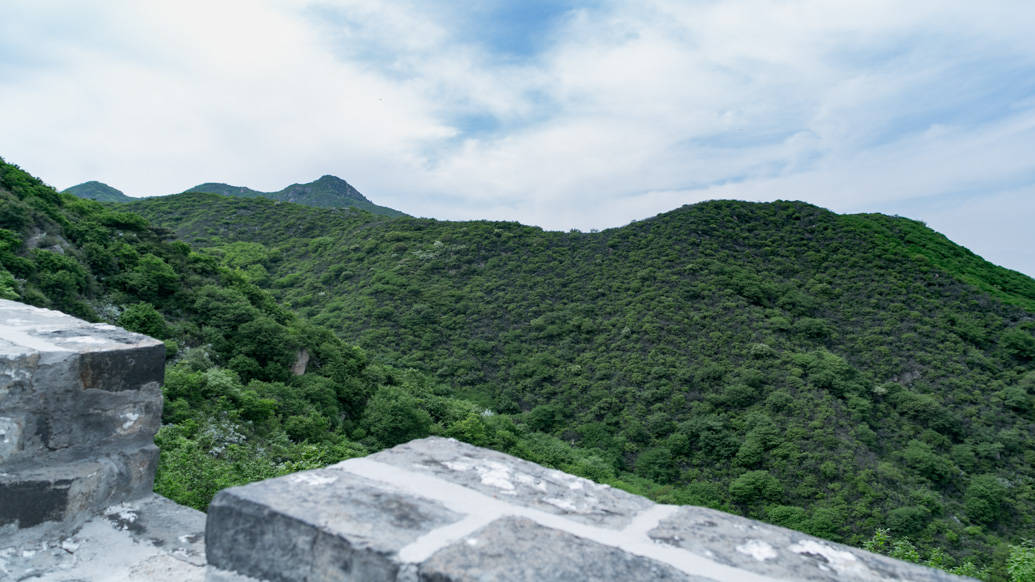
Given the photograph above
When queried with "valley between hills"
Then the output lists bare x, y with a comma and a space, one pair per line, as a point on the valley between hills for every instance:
857, 377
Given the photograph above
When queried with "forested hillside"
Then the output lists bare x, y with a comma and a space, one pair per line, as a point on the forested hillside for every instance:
251, 390
835, 374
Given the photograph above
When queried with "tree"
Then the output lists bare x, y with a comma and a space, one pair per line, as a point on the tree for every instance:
151, 278
393, 416
755, 486
144, 318
984, 499
1019, 344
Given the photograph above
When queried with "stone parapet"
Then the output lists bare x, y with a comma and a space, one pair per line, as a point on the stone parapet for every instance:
79, 406
438, 510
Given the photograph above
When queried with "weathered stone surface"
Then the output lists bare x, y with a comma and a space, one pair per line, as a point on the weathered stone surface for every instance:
79, 406
65, 383
70, 491
778, 552
150, 539
315, 526
95, 417
514, 548
126, 369
517, 481
437, 510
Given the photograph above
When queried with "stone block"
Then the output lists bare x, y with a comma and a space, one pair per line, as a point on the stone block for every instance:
437, 510
123, 369
519, 482
94, 417
774, 551
317, 526
69, 490
514, 548
66, 383
79, 406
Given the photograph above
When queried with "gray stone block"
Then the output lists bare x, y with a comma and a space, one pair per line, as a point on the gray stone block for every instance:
68, 490
150, 539
437, 510
774, 551
518, 549
316, 526
94, 417
79, 406
517, 481
59, 374
123, 369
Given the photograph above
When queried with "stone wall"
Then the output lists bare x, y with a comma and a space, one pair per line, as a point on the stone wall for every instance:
438, 510
80, 404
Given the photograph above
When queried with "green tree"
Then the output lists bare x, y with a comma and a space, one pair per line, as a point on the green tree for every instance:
151, 278
755, 486
984, 498
144, 318
394, 416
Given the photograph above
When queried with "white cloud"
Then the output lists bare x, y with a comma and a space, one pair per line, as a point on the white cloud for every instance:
628, 110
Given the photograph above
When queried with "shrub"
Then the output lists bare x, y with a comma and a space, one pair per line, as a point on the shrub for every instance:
393, 416
755, 486
144, 318
984, 499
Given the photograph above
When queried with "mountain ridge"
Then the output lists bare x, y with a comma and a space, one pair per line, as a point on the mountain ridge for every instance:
836, 374
327, 191
99, 191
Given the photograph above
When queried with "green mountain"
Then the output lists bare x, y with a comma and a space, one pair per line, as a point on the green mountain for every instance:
99, 191
835, 374
252, 390
326, 192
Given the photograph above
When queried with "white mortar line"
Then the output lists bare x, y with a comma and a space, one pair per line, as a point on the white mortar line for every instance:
423, 547
467, 501
649, 519
20, 338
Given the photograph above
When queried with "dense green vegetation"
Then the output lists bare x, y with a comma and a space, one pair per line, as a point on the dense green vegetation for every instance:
835, 374
238, 405
839, 375
98, 191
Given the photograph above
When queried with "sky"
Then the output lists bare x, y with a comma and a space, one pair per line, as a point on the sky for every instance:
556, 114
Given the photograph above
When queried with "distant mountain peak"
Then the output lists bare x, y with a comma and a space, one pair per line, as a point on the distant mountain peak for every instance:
325, 186
325, 192
99, 191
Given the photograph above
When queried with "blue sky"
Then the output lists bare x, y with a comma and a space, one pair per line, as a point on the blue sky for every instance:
559, 114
